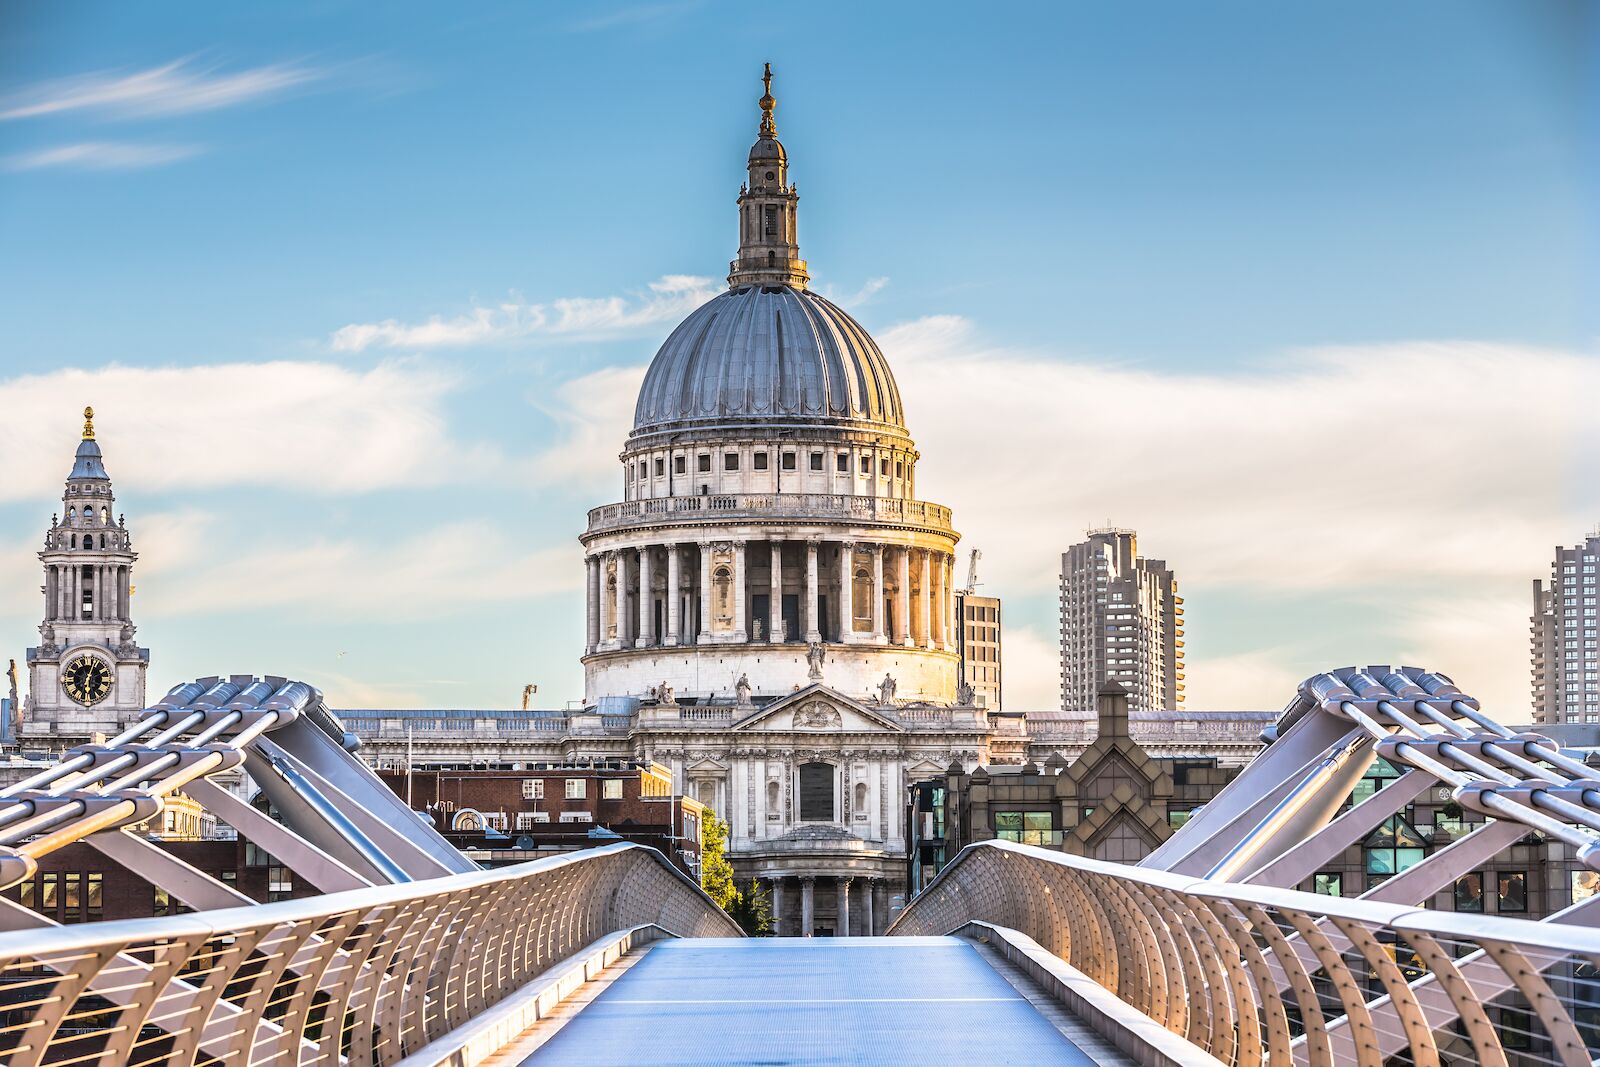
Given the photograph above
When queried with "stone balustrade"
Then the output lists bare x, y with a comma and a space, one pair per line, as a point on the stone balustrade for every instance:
821, 506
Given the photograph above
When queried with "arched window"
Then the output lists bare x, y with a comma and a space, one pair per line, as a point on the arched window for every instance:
861, 797
861, 599
74, 540
722, 594
102, 540
72, 513
816, 792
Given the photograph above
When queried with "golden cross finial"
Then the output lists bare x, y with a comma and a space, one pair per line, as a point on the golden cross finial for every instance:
88, 424
768, 127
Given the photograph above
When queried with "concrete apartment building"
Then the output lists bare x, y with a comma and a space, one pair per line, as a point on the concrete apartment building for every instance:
1121, 621
1565, 643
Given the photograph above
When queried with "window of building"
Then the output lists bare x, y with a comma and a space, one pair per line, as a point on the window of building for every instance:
866, 464
772, 220
816, 792
703, 462
730, 461
1176, 817
280, 883
788, 461
527, 820
661, 466
533, 789
899, 469
842, 463
883, 465
679, 465
611, 789
1025, 827
1469, 891
643, 469
577, 788
1511, 891
816, 461
759, 461
1328, 883
1380, 774
1392, 848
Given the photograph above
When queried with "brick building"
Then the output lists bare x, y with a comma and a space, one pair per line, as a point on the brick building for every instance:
508, 816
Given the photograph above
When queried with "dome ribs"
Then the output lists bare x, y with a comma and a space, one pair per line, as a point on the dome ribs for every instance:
768, 353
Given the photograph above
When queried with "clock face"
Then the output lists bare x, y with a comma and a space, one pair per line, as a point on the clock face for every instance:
87, 680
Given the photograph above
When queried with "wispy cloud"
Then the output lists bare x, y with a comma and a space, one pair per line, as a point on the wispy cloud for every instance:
434, 572
175, 88
101, 155
668, 299
634, 15
317, 427
871, 288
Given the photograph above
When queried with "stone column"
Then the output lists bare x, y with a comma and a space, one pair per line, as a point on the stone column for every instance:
844, 908
777, 905
674, 594
807, 904
811, 620
617, 599
592, 614
936, 601
902, 624
775, 596
877, 594
925, 603
867, 923
125, 597
741, 595
647, 615
847, 587
76, 594
705, 593
949, 605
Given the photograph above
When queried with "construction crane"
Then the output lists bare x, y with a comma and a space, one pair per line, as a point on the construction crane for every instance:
972, 573
528, 691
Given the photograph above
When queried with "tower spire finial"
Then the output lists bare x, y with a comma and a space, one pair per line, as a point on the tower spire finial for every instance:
769, 129
88, 424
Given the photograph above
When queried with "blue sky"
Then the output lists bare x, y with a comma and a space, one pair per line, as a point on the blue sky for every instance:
362, 295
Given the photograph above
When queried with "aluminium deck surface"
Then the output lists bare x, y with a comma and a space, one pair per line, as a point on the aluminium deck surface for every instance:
780, 1001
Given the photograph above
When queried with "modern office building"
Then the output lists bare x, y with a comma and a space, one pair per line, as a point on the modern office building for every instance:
978, 644
1121, 621
1565, 642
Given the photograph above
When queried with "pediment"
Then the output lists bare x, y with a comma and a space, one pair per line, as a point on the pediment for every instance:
818, 709
707, 765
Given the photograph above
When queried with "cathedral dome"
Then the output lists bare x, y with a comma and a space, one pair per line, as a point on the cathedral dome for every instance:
768, 353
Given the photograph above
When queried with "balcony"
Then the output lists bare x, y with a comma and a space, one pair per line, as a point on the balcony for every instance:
760, 506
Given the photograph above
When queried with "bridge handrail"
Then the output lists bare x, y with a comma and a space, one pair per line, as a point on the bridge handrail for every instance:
385, 969
1200, 957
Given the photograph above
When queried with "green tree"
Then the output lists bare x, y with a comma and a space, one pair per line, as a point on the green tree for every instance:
716, 873
752, 910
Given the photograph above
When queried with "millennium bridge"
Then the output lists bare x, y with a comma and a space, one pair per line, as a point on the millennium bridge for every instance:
1201, 954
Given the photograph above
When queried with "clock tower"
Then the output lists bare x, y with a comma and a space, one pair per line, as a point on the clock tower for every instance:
87, 674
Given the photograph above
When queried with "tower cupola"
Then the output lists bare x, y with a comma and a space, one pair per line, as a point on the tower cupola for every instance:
769, 242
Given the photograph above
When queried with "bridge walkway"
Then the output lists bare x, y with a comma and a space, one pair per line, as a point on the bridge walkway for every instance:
712, 1001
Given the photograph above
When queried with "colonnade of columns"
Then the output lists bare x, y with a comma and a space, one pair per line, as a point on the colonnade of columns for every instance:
804, 922
850, 592
107, 585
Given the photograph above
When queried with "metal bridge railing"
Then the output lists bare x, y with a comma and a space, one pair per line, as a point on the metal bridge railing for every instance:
366, 976
1256, 974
